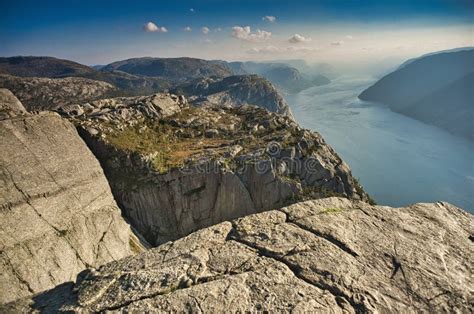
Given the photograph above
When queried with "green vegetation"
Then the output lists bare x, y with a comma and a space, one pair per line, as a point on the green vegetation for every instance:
160, 141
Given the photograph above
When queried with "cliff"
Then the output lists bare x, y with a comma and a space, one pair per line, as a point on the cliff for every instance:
57, 212
330, 255
236, 91
175, 168
436, 89
285, 77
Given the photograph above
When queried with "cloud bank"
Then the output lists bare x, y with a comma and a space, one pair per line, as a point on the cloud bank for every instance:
297, 38
245, 33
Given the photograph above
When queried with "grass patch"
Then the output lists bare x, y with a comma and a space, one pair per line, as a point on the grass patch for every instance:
159, 140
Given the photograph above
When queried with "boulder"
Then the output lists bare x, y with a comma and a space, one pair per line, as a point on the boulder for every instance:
57, 212
10, 106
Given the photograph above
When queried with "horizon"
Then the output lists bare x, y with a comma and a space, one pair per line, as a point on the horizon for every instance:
349, 34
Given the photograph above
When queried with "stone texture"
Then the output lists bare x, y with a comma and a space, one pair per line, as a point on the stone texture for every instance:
170, 177
45, 93
10, 106
236, 91
57, 212
328, 255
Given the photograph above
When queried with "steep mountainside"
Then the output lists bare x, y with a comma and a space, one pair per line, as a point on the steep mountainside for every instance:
57, 212
450, 107
286, 78
436, 89
174, 69
290, 79
331, 255
175, 168
236, 91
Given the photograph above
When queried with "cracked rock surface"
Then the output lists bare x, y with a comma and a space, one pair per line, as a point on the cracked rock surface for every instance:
175, 168
331, 255
57, 212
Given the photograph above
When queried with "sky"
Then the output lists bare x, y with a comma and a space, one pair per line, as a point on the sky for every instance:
354, 32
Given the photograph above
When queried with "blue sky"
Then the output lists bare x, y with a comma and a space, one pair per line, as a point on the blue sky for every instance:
94, 32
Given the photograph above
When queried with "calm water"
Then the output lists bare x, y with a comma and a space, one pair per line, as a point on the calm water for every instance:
397, 159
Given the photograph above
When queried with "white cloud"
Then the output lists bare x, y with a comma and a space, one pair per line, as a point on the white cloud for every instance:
218, 29
245, 33
297, 38
350, 37
187, 29
205, 30
269, 18
267, 49
152, 27
274, 49
191, 10
337, 43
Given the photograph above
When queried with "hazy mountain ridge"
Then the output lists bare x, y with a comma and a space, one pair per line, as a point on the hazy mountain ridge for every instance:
287, 78
37, 81
436, 89
236, 90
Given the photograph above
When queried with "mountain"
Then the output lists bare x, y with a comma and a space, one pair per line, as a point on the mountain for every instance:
43, 67
176, 168
291, 80
57, 212
174, 69
436, 89
322, 256
236, 91
48, 67
287, 78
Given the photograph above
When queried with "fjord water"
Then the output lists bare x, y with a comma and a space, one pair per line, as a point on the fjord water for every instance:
398, 160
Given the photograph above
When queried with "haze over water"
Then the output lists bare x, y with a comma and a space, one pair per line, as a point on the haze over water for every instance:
398, 160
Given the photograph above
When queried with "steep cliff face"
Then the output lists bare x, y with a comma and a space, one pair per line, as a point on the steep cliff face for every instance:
284, 76
436, 89
57, 212
175, 168
236, 91
329, 255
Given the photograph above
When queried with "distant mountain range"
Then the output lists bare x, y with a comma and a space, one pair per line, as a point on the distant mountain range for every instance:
43, 83
36, 79
436, 89
285, 77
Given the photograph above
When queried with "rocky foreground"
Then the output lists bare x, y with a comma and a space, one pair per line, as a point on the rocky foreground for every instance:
57, 212
221, 190
329, 255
